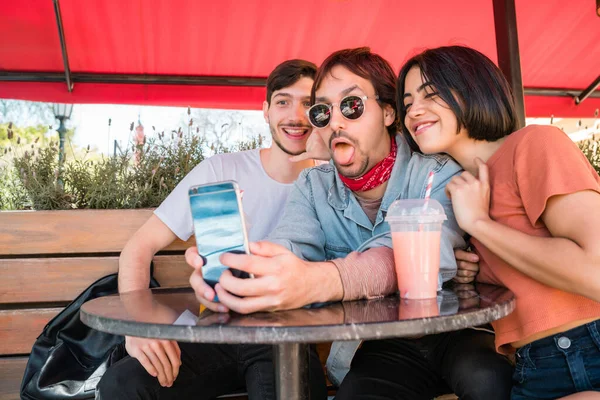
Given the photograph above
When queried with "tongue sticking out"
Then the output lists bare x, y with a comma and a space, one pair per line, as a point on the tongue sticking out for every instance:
343, 153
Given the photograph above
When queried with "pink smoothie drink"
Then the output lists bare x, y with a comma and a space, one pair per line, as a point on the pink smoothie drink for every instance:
418, 308
417, 257
416, 228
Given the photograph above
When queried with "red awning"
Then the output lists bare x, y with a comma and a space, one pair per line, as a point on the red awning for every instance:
559, 44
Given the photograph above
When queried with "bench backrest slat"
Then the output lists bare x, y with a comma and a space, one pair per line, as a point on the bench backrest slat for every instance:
71, 232
20, 328
38, 280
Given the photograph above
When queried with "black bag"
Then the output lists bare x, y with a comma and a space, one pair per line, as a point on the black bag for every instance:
69, 358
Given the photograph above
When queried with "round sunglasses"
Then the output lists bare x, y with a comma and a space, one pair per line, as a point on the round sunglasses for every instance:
351, 107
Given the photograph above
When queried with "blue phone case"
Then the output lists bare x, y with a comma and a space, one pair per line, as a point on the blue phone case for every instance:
218, 226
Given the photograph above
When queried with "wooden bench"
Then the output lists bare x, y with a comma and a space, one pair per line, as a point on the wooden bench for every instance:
48, 257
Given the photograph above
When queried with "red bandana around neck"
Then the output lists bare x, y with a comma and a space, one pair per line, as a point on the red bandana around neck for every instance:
378, 175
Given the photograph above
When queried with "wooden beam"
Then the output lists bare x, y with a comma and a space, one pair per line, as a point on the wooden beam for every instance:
507, 45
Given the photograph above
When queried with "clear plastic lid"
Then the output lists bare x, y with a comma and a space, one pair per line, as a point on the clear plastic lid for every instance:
417, 211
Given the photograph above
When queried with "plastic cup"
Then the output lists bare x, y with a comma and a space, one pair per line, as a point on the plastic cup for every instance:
418, 308
416, 227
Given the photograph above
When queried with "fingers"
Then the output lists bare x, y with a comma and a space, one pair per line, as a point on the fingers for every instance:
448, 191
251, 264
468, 177
174, 354
316, 148
150, 352
469, 272
463, 255
454, 184
177, 349
259, 262
245, 305
133, 346
484, 175
160, 350
200, 286
267, 249
247, 287
458, 180
193, 259
141, 357
151, 355
468, 268
204, 293
472, 268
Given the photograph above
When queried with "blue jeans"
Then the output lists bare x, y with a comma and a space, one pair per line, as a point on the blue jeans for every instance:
559, 365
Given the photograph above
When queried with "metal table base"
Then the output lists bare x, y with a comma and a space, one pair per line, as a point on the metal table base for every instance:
291, 371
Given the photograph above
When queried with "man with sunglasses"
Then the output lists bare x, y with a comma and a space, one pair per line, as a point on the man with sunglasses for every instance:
332, 243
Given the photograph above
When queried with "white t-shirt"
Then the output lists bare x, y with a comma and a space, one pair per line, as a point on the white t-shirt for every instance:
263, 199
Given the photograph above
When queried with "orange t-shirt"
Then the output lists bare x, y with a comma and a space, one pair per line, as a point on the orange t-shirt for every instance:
532, 165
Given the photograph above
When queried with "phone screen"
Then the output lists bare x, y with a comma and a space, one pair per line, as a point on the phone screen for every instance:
218, 225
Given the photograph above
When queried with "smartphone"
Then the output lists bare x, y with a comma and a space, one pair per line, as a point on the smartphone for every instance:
219, 226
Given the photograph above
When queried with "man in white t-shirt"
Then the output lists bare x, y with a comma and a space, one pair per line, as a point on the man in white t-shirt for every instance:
168, 369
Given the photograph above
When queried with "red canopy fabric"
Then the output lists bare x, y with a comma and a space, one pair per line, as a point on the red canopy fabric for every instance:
559, 44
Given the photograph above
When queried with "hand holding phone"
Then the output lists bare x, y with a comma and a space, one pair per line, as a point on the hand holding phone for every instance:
219, 227
204, 293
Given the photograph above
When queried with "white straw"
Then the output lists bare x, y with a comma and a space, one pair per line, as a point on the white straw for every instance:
428, 190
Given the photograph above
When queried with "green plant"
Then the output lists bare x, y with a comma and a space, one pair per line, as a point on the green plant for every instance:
38, 170
142, 176
591, 150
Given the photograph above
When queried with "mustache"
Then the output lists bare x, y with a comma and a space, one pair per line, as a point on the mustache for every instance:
295, 125
340, 134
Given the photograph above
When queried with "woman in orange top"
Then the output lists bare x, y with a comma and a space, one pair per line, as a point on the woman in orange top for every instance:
531, 202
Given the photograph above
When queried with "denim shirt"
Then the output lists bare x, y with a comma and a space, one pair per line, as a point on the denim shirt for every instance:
323, 221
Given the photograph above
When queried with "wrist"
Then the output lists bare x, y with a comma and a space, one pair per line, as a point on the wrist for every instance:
325, 283
479, 226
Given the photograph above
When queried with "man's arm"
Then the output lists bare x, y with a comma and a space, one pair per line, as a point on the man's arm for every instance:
135, 259
368, 275
160, 358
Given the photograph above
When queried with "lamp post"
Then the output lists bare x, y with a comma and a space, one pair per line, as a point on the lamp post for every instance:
61, 113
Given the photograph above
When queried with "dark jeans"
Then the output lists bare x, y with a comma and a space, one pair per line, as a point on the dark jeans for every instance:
464, 362
207, 371
558, 365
